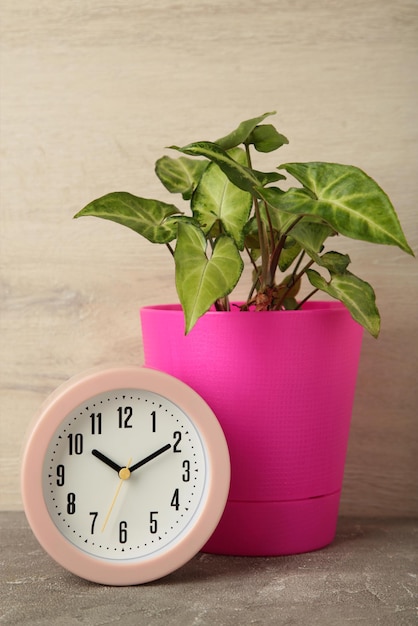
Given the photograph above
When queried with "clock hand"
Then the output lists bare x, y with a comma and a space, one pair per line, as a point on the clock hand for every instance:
106, 460
150, 457
124, 474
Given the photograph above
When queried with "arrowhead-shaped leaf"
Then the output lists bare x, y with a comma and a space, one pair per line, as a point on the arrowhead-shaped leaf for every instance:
201, 281
334, 262
242, 132
289, 253
357, 295
238, 174
144, 216
216, 199
266, 178
310, 234
180, 175
266, 138
345, 197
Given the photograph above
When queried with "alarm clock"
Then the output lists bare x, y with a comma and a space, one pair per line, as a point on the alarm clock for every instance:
125, 474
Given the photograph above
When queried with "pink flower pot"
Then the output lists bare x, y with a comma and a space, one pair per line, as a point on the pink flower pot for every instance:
282, 386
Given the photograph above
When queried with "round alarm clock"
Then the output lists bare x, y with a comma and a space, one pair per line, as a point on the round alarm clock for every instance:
125, 475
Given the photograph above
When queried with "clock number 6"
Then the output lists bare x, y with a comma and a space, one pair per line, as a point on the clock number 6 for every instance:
123, 532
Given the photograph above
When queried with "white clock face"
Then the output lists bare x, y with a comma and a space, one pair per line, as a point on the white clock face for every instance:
125, 474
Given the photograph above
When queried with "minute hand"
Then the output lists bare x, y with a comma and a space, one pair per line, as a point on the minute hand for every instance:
150, 457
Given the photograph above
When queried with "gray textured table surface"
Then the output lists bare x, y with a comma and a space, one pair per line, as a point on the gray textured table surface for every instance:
367, 576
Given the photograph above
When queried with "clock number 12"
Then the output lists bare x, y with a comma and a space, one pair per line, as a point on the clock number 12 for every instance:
125, 414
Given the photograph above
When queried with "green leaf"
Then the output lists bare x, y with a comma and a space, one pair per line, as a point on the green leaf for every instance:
289, 254
290, 304
216, 199
241, 134
238, 174
265, 178
180, 175
334, 262
357, 295
311, 234
345, 197
144, 216
280, 220
173, 220
251, 237
201, 281
266, 138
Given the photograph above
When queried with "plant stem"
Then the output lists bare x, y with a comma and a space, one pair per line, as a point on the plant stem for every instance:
292, 283
222, 304
271, 229
262, 235
275, 257
302, 272
265, 273
253, 263
170, 249
253, 287
299, 261
302, 302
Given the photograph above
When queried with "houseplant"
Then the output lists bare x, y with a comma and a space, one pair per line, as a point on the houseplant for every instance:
239, 212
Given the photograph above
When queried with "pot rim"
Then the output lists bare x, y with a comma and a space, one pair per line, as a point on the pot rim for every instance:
315, 306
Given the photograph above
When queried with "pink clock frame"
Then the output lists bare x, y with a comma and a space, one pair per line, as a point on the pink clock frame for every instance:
42, 428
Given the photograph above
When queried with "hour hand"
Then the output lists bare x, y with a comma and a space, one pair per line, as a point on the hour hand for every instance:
105, 459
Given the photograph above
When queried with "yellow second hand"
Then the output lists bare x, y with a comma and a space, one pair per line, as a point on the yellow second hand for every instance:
123, 475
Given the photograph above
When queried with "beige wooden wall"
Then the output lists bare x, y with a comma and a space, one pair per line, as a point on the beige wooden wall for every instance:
92, 91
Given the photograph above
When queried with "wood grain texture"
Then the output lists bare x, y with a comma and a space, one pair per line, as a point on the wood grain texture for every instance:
91, 92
